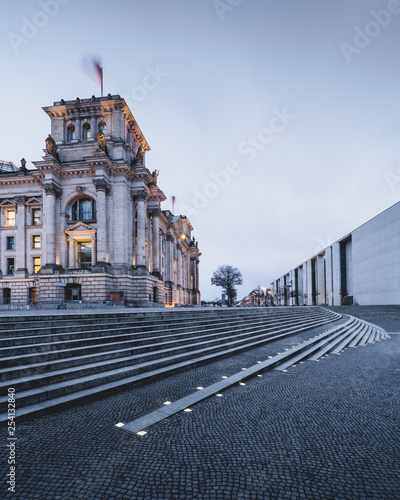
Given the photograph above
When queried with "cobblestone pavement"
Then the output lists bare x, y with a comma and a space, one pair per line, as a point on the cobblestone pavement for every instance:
323, 430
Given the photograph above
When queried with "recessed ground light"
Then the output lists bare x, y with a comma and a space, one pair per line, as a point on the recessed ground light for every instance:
244, 368
120, 424
224, 376
141, 433
259, 375
187, 410
219, 395
284, 370
269, 357
259, 362
279, 353
167, 403
199, 388
242, 383
301, 362
294, 366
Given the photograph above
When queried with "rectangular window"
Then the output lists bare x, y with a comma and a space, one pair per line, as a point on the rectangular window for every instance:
10, 266
10, 242
36, 264
36, 217
10, 218
36, 241
7, 295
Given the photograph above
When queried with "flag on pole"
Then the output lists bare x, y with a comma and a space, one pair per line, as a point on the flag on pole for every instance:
173, 203
93, 68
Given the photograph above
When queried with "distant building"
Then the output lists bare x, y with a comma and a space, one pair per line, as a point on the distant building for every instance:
362, 268
87, 224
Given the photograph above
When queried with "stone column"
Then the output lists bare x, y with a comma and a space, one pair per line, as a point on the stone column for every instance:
102, 189
20, 244
141, 198
169, 264
93, 238
156, 242
52, 191
71, 253
178, 266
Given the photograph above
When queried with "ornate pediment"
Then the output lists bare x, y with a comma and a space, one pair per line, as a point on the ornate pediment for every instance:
80, 228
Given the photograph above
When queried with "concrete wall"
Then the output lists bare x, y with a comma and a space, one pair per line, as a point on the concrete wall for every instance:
372, 259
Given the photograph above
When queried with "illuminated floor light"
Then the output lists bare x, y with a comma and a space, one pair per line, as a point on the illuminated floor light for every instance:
141, 433
269, 357
301, 362
219, 395
187, 410
224, 376
244, 368
294, 366
284, 370
167, 403
259, 375
242, 383
258, 362
120, 424
200, 388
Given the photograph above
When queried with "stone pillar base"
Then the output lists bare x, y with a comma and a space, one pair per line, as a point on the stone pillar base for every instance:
50, 269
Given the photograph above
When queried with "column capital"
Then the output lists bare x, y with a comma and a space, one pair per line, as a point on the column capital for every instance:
20, 200
102, 185
139, 195
52, 188
154, 212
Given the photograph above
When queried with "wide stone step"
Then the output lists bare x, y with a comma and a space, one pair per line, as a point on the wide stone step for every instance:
34, 376
93, 379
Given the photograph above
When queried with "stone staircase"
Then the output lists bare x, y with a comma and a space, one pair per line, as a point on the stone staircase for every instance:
54, 361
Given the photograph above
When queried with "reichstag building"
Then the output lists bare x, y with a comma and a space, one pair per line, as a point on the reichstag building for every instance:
87, 224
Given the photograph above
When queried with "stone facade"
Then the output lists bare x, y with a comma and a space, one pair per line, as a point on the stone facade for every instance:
362, 268
87, 224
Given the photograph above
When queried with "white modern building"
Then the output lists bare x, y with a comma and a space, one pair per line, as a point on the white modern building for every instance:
361, 268
87, 223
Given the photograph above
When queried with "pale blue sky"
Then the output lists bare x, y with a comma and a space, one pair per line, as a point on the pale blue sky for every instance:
328, 169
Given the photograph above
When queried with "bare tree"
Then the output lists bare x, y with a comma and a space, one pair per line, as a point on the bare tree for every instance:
228, 277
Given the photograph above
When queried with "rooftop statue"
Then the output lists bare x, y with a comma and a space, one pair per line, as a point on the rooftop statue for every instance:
51, 146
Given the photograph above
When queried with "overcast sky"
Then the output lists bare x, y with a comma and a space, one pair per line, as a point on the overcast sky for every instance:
274, 123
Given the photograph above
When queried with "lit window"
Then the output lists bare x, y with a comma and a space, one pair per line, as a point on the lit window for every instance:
36, 264
86, 133
10, 217
84, 255
84, 209
36, 241
10, 242
36, 216
71, 132
10, 266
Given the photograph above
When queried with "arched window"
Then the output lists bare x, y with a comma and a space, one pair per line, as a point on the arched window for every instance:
84, 209
71, 132
86, 132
